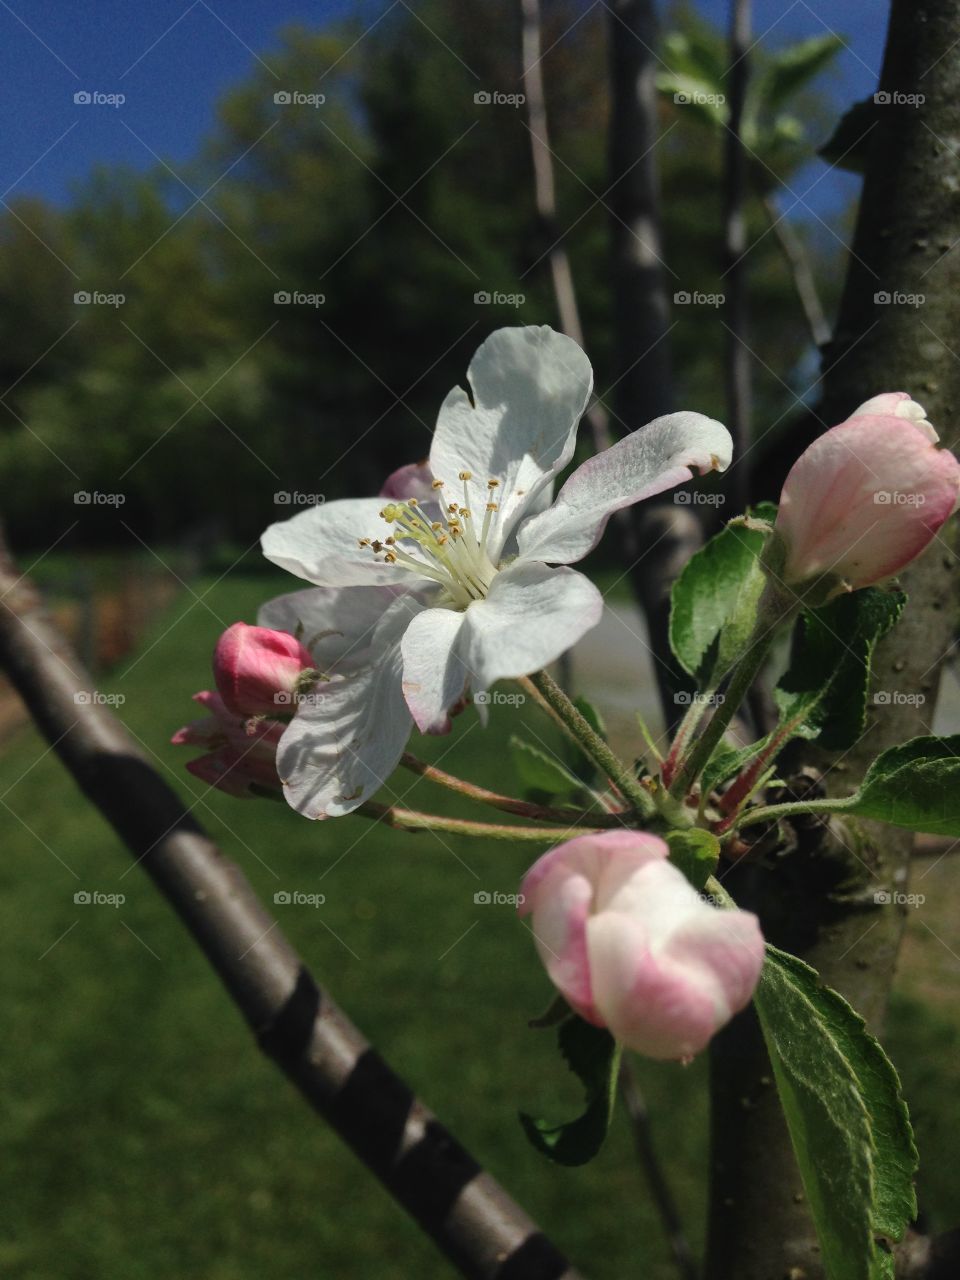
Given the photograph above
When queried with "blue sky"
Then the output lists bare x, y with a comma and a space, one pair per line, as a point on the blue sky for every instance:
174, 59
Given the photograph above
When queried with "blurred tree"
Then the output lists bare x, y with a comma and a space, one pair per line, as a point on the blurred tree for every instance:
398, 199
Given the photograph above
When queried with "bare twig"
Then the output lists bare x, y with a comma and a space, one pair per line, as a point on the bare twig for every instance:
636, 1106
522, 808
803, 281
545, 192
737, 371
466, 1213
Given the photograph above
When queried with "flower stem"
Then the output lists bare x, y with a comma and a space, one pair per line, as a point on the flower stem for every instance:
771, 812
413, 820
744, 674
522, 808
591, 742
773, 611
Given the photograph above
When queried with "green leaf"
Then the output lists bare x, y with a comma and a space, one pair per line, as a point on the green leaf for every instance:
791, 69
916, 785
698, 98
828, 678
695, 852
847, 1119
849, 145
713, 603
727, 761
543, 773
593, 1056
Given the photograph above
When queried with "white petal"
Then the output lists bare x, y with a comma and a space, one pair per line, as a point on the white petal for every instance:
532, 614
530, 387
433, 675
336, 624
321, 544
349, 734
659, 456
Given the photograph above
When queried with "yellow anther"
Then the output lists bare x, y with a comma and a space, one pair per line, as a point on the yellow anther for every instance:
465, 513
412, 502
437, 484
390, 558
493, 506
390, 541
364, 542
453, 508
493, 484
466, 475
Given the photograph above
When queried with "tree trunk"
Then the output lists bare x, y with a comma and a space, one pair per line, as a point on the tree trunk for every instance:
909, 218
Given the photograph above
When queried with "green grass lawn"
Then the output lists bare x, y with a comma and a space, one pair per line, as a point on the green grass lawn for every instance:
144, 1133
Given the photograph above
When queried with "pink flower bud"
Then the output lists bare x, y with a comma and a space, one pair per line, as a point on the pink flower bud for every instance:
242, 751
257, 670
897, 404
632, 946
415, 480
866, 497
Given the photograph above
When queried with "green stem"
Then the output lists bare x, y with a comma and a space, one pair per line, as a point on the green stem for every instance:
771, 812
772, 613
591, 742
521, 808
413, 820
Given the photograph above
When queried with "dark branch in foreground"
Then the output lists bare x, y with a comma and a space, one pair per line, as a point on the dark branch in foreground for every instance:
462, 1208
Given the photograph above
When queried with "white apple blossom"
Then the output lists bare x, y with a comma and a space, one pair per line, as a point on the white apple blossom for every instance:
465, 580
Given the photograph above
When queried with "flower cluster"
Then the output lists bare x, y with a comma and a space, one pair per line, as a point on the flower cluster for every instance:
458, 575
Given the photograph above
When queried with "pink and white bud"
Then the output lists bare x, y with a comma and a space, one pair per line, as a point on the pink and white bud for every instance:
866, 497
242, 752
632, 946
415, 480
257, 670
897, 404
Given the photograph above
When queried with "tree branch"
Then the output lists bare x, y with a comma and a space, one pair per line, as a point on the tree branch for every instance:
737, 366
663, 535
464, 1210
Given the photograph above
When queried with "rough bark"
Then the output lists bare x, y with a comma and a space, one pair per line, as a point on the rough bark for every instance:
909, 219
